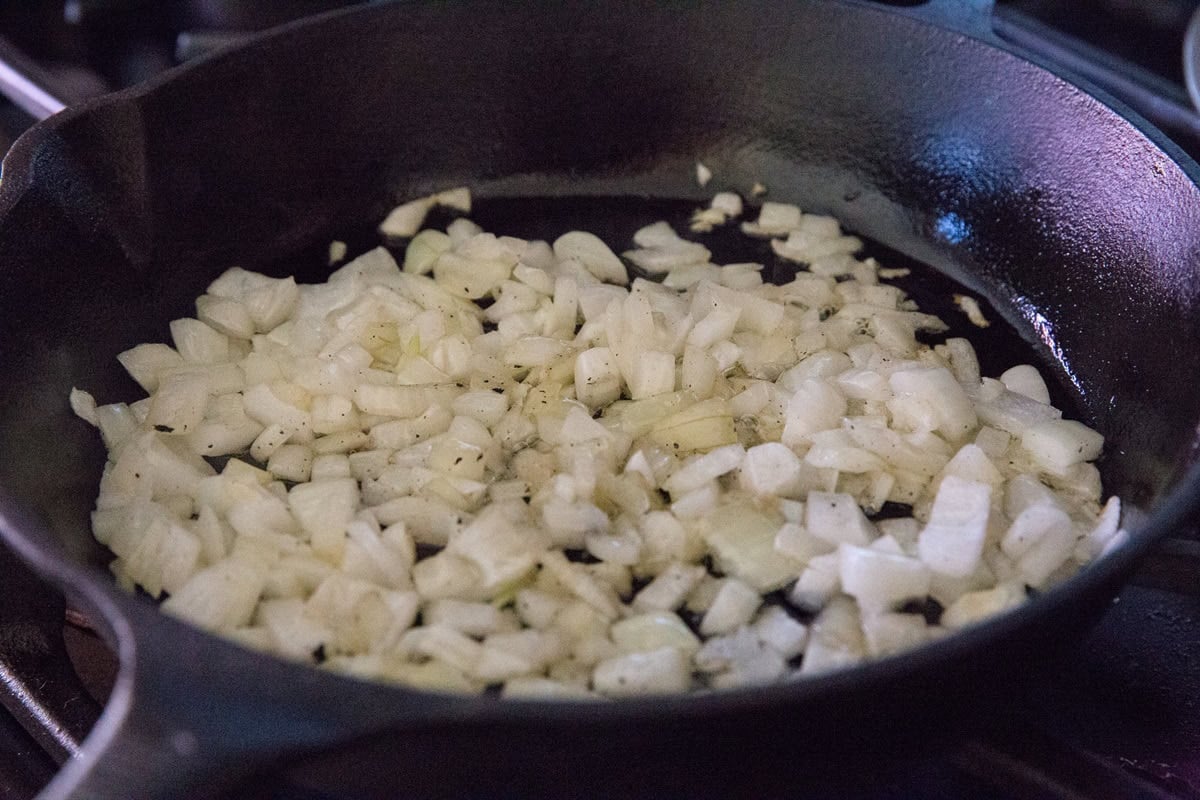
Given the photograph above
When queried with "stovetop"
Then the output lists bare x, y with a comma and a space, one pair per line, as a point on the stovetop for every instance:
1116, 715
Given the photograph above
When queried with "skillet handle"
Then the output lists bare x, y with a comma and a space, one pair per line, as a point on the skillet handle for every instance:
180, 725
190, 714
121, 761
40, 687
139, 747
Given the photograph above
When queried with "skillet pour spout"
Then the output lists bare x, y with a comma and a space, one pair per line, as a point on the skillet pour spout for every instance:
917, 127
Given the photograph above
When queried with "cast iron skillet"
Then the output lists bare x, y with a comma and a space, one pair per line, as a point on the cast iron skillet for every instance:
917, 127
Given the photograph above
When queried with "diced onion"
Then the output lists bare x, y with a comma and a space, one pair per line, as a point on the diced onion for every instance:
578, 487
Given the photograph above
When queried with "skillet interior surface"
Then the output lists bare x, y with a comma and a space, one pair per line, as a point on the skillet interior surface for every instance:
1082, 231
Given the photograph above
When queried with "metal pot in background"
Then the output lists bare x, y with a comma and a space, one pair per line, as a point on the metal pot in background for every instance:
1191, 59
